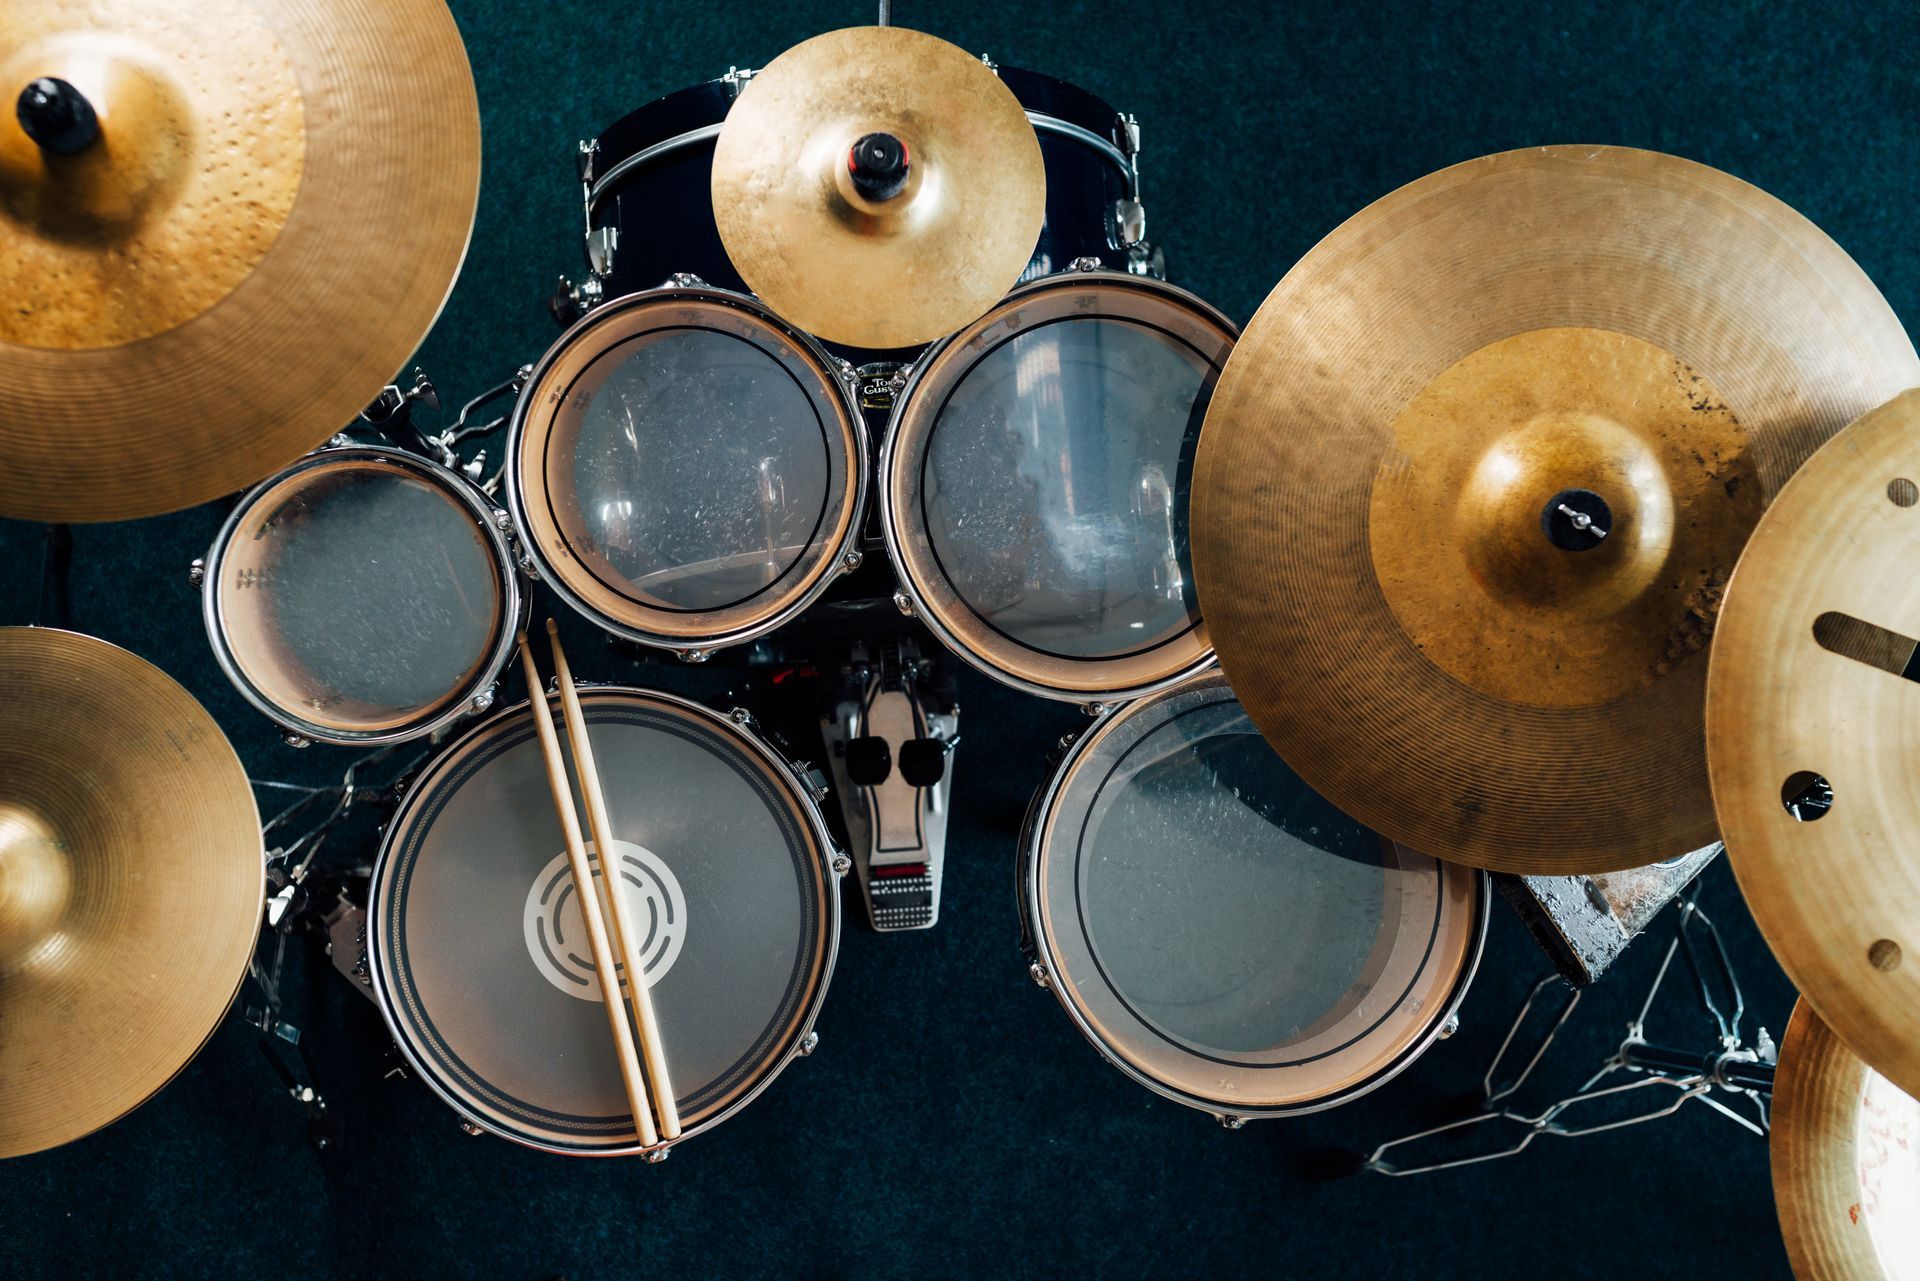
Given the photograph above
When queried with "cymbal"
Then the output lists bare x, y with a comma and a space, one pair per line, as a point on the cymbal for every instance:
1845, 1149
131, 883
877, 270
1805, 681
1475, 476
267, 223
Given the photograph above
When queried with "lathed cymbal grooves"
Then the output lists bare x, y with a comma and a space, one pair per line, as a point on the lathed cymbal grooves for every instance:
1813, 737
1476, 475
131, 879
891, 270
261, 233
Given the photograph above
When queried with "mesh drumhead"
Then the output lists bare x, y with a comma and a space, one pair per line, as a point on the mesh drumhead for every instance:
686, 468
478, 951
1227, 934
1038, 477
358, 594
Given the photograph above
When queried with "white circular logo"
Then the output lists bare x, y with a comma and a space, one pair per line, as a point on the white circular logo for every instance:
557, 937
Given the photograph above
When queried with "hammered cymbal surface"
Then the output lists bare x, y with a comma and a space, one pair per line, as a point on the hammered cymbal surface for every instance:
1806, 680
275, 211
1401, 416
890, 273
131, 882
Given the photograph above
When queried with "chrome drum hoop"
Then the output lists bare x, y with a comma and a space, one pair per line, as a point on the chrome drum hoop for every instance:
475, 696
896, 527
842, 549
737, 727
1044, 961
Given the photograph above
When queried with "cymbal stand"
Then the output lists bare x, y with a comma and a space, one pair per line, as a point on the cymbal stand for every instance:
1639, 1082
54, 606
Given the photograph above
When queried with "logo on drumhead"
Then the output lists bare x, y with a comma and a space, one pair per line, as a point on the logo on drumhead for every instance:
557, 936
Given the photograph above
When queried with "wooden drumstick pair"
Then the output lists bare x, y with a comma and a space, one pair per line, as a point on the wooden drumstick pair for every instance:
623, 942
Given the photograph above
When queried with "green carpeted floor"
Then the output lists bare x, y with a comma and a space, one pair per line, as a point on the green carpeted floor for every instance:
952, 1122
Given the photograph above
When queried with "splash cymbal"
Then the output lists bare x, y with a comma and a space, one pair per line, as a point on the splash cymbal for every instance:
1845, 1150
131, 879
216, 249
878, 187
1811, 734
1476, 474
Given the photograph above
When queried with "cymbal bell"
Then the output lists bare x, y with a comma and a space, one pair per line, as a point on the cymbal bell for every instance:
1845, 1149
905, 250
131, 883
1476, 474
216, 249
1811, 734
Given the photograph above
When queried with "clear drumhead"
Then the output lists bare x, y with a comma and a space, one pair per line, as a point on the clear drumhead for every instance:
688, 471
1037, 478
360, 595
1230, 938
475, 935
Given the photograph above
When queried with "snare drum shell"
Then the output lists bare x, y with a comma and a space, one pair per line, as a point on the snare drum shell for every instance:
740, 729
1043, 965
475, 695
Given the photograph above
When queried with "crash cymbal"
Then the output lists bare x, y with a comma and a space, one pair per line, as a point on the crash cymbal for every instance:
271, 209
816, 226
1805, 695
1845, 1148
131, 878
1476, 474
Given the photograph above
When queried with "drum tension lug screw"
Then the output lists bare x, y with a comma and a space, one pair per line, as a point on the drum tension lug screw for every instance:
197, 572
842, 864
852, 560
484, 699
471, 1128
658, 1155
1038, 973
1233, 1122
695, 655
903, 603
1448, 1028
292, 739
807, 1045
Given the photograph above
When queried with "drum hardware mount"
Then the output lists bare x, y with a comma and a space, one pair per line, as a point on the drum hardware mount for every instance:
1738, 1067
1584, 923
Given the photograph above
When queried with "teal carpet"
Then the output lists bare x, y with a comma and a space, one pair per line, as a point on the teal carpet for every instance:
953, 1122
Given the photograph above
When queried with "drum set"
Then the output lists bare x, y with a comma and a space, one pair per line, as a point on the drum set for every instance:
874, 370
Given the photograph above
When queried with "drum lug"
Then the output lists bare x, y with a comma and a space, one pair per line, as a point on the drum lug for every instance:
656, 1155
848, 374
741, 716
1230, 1122
694, 655
528, 567
736, 79
852, 560
197, 572
1127, 130
1097, 707
471, 1128
589, 151
1085, 264
903, 602
1448, 1028
812, 779
602, 244
484, 699
808, 1044
568, 301
1130, 221
502, 520
685, 280
842, 865
292, 739
339, 440
1147, 260
1038, 973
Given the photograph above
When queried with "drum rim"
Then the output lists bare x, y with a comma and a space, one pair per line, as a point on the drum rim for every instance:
1037, 942
739, 726
893, 524
836, 372
514, 602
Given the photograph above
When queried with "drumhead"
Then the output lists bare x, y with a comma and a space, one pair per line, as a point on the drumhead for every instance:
1036, 477
475, 940
1229, 938
687, 470
362, 595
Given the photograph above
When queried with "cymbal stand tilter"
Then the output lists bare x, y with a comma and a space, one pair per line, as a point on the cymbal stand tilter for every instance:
1670, 1078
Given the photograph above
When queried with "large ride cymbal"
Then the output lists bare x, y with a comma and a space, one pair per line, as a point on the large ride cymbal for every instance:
131, 878
1845, 1150
1416, 448
878, 270
1818, 625
269, 216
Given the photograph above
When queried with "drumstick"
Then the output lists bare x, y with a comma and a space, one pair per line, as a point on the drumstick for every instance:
626, 938
589, 901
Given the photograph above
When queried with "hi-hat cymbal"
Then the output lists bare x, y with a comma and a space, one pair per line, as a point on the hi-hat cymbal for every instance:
1845, 1149
868, 268
1476, 474
272, 209
1805, 695
131, 878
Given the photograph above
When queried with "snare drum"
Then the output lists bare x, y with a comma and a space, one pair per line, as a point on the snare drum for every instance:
687, 470
476, 951
363, 595
1223, 935
1034, 483
648, 181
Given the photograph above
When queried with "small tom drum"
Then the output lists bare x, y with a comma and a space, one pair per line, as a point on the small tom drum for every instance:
1225, 936
363, 595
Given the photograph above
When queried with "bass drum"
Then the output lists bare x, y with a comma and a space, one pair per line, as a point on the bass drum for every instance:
475, 943
687, 470
1034, 485
363, 595
1223, 935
